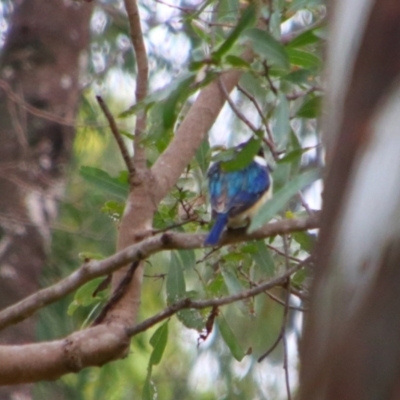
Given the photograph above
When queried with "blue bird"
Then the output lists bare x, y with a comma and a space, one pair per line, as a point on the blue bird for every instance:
236, 196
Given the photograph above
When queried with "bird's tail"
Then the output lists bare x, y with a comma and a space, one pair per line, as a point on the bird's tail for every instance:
216, 231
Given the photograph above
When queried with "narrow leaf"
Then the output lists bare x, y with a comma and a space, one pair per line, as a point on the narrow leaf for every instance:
281, 198
104, 181
305, 240
202, 156
158, 341
84, 296
188, 258
247, 19
157, 96
263, 258
237, 62
311, 108
268, 47
176, 286
281, 126
303, 58
192, 319
173, 102
230, 339
244, 157
304, 39
232, 283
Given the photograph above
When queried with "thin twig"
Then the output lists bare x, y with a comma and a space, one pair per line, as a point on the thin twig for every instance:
304, 203
200, 304
267, 293
271, 84
282, 253
118, 293
282, 303
273, 347
118, 137
270, 140
282, 332
239, 114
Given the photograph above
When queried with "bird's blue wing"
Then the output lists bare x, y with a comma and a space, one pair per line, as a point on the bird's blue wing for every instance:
231, 193
246, 187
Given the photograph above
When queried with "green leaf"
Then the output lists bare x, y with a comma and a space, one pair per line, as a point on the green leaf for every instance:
104, 181
114, 209
216, 286
173, 102
299, 277
176, 287
303, 58
159, 95
247, 19
281, 128
191, 318
305, 240
304, 39
199, 31
202, 155
281, 198
232, 283
244, 157
230, 339
158, 341
237, 62
297, 5
268, 47
311, 108
126, 134
188, 258
293, 156
84, 296
299, 77
263, 258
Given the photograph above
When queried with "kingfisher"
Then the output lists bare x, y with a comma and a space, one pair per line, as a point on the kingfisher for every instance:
235, 196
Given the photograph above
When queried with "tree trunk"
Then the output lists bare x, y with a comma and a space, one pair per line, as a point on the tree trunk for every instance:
39, 69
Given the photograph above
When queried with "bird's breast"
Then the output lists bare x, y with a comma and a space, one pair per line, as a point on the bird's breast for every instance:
243, 219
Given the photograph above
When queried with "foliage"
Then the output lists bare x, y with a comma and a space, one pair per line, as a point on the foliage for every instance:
280, 92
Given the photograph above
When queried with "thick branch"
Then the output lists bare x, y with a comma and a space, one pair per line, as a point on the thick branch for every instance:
50, 360
139, 251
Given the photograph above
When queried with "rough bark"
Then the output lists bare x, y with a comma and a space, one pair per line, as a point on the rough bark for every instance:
39, 67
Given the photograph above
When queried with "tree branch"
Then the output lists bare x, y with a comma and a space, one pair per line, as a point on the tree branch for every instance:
50, 360
139, 251
141, 77
114, 129
216, 302
193, 131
